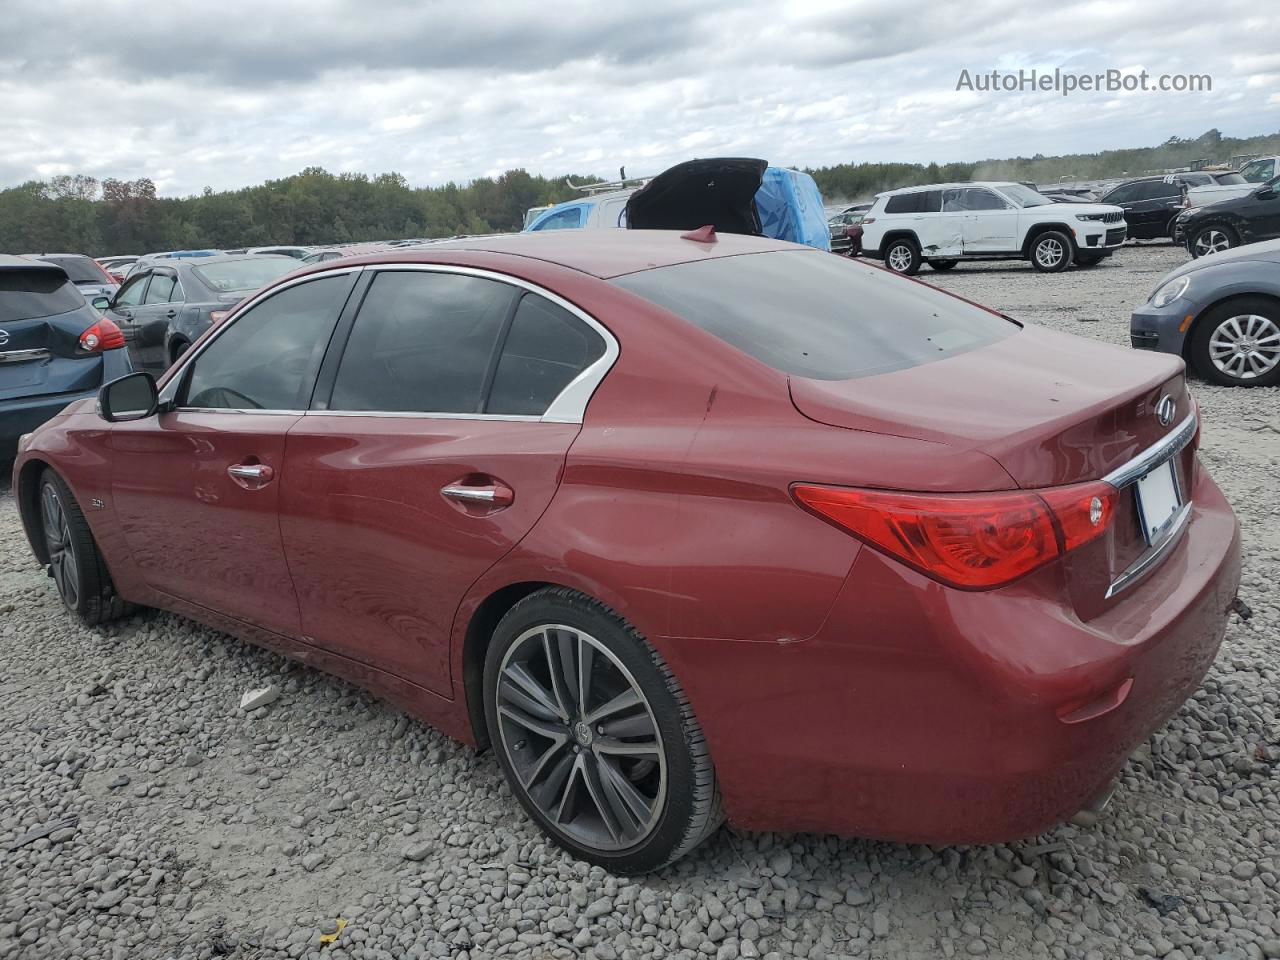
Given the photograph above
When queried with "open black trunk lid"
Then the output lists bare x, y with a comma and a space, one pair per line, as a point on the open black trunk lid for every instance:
719, 191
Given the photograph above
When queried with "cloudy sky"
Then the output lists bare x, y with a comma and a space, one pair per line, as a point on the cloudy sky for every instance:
224, 93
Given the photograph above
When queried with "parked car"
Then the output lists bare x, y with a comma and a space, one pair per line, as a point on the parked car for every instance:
942, 224
54, 348
1230, 223
165, 305
1221, 314
87, 274
117, 267
1151, 204
843, 240
508, 504
325, 254
1229, 186
285, 251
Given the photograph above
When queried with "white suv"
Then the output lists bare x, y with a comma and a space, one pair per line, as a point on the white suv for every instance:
942, 224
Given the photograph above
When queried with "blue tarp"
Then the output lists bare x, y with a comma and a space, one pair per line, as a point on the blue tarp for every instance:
790, 208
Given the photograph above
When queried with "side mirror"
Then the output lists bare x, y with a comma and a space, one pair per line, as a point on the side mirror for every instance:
132, 397
100, 303
1266, 193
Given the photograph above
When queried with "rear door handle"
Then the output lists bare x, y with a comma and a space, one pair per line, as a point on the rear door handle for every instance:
494, 493
171, 314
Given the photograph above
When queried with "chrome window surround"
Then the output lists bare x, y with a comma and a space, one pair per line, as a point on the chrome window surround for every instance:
1140, 466
568, 407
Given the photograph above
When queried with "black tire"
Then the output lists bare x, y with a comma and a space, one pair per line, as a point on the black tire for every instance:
943, 264
1089, 259
679, 776
177, 350
1214, 328
902, 256
1204, 239
75, 564
1051, 251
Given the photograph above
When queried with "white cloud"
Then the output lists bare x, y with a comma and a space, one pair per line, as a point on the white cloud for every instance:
233, 93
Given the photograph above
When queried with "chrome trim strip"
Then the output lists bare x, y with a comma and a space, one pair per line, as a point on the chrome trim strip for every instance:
1142, 464
21, 356
568, 407
170, 390
291, 413
480, 494
1148, 560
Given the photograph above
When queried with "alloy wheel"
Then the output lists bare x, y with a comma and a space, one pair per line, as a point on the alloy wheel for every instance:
1049, 252
581, 737
57, 539
1211, 241
1245, 347
900, 258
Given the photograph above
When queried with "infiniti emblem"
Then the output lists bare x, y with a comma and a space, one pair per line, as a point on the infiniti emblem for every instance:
1164, 410
4, 337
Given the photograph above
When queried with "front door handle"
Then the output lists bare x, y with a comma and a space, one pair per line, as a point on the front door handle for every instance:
171, 314
251, 476
489, 492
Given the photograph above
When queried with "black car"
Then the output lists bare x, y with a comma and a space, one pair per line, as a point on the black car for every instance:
54, 347
1230, 223
1150, 204
166, 304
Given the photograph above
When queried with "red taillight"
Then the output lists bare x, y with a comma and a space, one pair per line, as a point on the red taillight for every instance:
968, 540
103, 335
217, 316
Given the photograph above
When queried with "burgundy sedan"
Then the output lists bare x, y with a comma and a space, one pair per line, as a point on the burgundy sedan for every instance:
684, 530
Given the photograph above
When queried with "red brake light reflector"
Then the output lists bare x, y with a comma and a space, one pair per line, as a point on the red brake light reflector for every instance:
969, 540
103, 335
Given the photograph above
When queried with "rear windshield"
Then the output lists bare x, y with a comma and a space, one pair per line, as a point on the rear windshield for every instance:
27, 294
247, 274
79, 269
817, 315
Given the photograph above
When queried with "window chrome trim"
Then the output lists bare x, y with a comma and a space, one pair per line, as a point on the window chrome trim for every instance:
569, 406
170, 391
221, 410
1151, 457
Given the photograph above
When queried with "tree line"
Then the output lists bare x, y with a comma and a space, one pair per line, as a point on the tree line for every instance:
83, 215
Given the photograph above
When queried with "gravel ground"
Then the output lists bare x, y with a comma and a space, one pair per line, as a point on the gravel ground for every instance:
178, 825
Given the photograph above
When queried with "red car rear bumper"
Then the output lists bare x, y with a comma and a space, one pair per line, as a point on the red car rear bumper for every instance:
925, 714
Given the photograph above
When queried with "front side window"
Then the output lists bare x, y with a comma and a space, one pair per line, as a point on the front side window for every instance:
1259, 171
130, 294
267, 358
812, 315
161, 289
423, 342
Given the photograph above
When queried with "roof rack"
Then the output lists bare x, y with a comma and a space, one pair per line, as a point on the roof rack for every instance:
608, 186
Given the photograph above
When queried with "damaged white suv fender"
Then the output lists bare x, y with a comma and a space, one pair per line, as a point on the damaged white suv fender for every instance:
942, 224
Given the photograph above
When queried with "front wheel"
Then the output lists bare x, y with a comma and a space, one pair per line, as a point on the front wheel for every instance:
75, 563
595, 736
1237, 343
1211, 239
903, 256
1051, 251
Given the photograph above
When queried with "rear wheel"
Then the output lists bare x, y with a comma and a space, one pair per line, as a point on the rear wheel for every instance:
902, 256
1237, 343
595, 736
943, 264
177, 350
1051, 251
1213, 238
75, 563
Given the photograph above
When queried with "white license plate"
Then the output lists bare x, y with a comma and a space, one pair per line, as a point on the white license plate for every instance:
1158, 499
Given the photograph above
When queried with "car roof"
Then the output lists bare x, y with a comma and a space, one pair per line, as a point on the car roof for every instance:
205, 261
62, 256
9, 261
599, 253
950, 186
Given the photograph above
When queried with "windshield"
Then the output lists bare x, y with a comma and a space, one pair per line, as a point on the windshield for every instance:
815, 315
1229, 179
1024, 196
79, 269
247, 274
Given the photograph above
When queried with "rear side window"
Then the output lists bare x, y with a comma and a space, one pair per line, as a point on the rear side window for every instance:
544, 350
161, 289
818, 316
28, 294
423, 343
904, 203
267, 359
